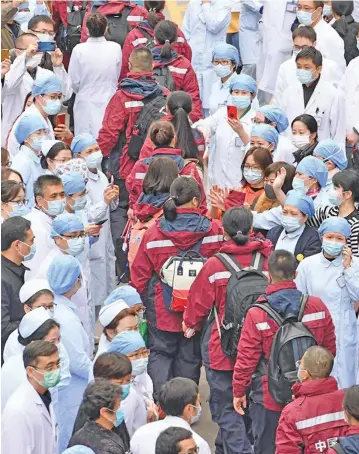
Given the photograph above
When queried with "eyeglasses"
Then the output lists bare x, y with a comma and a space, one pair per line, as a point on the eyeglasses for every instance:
83, 236
222, 62
299, 48
251, 167
54, 97
19, 203
305, 8
44, 32
61, 161
139, 355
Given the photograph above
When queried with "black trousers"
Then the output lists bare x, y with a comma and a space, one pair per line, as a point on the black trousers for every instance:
264, 426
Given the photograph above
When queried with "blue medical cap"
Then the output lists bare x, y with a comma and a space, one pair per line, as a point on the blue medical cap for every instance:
46, 83
73, 183
315, 168
266, 132
335, 225
330, 150
82, 141
66, 223
27, 125
301, 201
243, 82
126, 342
78, 449
63, 273
24, 5
224, 50
126, 293
275, 114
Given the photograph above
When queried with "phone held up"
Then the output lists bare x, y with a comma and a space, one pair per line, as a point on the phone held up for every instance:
232, 112
60, 119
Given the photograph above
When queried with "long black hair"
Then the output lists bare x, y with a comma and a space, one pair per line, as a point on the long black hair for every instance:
166, 34
182, 191
160, 175
237, 222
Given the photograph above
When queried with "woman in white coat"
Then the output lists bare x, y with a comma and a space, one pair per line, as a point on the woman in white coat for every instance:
94, 70
333, 276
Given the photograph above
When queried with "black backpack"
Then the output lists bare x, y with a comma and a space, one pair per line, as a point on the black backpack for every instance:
118, 27
164, 77
150, 39
290, 343
74, 20
337, 448
244, 287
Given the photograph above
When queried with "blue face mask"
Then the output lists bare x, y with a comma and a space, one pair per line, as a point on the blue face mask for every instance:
290, 223
198, 415
79, 204
304, 17
333, 197
139, 366
125, 391
120, 416
32, 252
94, 160
299, 185
76, 246
252, 176
222, 70
305, 76
18, 210
332, 248
327, 11
37, 142
241, 102
52, 107
55, 207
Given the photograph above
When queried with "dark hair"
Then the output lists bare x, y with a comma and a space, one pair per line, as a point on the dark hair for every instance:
118, 318
34, 21
35, 350
160, 174
43, 181
168, 440
282, 265
290, 169
261, 156
9, 190
311, 53
53, 152
318, 362
21, 38
237, 222
348, 180
343, 7
4, 156
26, 99
112, 366
6, 172
351, 401
100, 394
40, 333
179, 104
318, 4
34, 297
13, 229
153, 8
175, 394
305, 32
182, 191
142, 59
166, 34
309, 121
96, 24
162, 133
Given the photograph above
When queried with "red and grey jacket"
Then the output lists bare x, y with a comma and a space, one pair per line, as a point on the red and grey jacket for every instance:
162, 241
59, 11
209, 289
258, 332
135, 179
350, 442
137, 14
314, 420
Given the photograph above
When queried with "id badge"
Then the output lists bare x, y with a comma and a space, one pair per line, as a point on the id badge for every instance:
341, 281
238, 142
292, 6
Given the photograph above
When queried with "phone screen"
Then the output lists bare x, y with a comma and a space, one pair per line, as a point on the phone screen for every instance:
232, 112
43, 46
101, 222
60, 119
5, 53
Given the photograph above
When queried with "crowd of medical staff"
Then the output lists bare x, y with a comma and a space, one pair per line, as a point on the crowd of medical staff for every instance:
129, 140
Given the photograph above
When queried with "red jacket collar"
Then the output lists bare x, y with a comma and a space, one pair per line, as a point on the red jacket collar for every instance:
136, 76
230, 247
315, 387
272, 288
171, 151
353, 430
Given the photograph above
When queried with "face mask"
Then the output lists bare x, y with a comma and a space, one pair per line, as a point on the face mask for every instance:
125, 391
139, 366
290, 224
300, 141
19, 210
120, 416
45, 38
80, 203
198, 415
298, 375
32, 252
252, 176
241, 102
34, 61
299, 185
333, 197
51, 312
52, 107
332, 248
295, 53
358, 44
22, 17
94, 160
269, 192
76, 246
37, 143
305, 76
222, 70
51, 379
55, 207
327, 11
304, 17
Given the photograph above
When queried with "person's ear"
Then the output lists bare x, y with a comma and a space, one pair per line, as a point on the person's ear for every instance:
104, 412
347, 195
319, 69
195, 202
27, 308
305, 219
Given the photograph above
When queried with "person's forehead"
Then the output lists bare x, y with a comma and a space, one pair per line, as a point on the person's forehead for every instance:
305, 61
187, 444
43, 360
44, 26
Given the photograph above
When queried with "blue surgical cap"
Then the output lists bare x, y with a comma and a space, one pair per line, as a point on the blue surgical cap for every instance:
82, 141
126, 293
335, 225
73, 183
66, 223
266, 132
301, 201
243, 82
63, 273
126, 343
78, 449
27, 125
330, 150
46, 83
276, 115
24, 5
315, 168
224, 50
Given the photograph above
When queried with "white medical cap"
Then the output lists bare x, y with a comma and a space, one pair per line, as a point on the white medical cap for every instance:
30, 288
32, 321
110, 311
47, 145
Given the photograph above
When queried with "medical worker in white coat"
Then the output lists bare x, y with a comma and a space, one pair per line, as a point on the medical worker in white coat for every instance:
230, 137
64, 277
28, 424
350, 85
333, 276
204, 25
249, 38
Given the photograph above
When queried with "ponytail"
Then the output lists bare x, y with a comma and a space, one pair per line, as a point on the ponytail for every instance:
153, 8
162, 133
166, 34
237, 223
182, 191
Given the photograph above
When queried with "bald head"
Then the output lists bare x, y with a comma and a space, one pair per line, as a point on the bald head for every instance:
318, 362
141, 61
24, 40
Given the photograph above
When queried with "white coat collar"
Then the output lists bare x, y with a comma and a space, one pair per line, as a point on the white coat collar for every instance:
227, 82
37, 400
63, 301
327, 263
93, 176
295, 234
97, 40
177, 421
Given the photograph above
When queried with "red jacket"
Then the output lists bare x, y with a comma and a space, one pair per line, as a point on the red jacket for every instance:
258, 332
162, 241
137, 39
137, 15
209, 288
135, 179
350, 442
59, 11
313, 420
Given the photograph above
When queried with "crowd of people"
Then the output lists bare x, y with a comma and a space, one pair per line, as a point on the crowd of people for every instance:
191, 190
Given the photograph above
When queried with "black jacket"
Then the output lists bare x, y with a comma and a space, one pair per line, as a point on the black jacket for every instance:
100, 440
344, 27
303, 153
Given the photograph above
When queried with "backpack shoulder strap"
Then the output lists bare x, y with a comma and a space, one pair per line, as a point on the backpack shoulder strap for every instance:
303, 302
337, 448
257, 261
84, 5
229, 262
146, 34
69, 4
271, 312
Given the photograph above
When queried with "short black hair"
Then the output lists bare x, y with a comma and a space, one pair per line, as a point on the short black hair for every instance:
282, 265
311, 53
100, 394
309, 121
35, 350
168, 440
34, 21
112, 366
305, 32
43, 181
40, 333
19, 42
14, 229
96, 24
176, 394
351, 401
343, 7
348, 179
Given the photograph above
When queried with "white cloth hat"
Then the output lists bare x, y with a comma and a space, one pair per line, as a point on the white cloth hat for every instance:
31, 287
109, 312
47, 145
32, 321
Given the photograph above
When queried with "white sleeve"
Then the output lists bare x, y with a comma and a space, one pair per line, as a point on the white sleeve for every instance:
300, 280
14, 77
338, 119
61, 73
186, 27
267, 219
211, 123
217, 17
75, 71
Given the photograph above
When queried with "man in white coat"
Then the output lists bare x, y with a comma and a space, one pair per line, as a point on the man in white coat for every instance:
28, 425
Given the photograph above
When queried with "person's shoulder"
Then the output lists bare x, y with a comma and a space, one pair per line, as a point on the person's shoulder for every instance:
201, 442
309, 261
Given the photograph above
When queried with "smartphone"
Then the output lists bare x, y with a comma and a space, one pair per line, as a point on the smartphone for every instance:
5, 54
112, 181
232, 112
101, 222
43, 46
60, 119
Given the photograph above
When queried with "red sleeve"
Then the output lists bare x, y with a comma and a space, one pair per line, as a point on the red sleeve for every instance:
190, 85
147, 149
288, 440
126, 52
191, 169
84, 31
183, 48
329, 340
142, 266
60, 12
133, 185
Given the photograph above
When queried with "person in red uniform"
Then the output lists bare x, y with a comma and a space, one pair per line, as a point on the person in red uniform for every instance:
182, 228
313, 421
209, 289
256, 340
143, 34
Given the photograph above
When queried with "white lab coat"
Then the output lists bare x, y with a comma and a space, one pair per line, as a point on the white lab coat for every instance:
144, 440
284, 151
330, 44
249, 38
12, 346
356, 11
350, 86
205, 26
219, 94
94, 80
338, 288
135, 410
227, 149
26, 426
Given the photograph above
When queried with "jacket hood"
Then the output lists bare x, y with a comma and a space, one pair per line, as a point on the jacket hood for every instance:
142, 85
284, 298
350, 443
156, 54
256, 243
172, 153
315, 387
148, 205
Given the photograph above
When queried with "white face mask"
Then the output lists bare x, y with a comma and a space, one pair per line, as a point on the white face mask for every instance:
34, 61
300, 141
